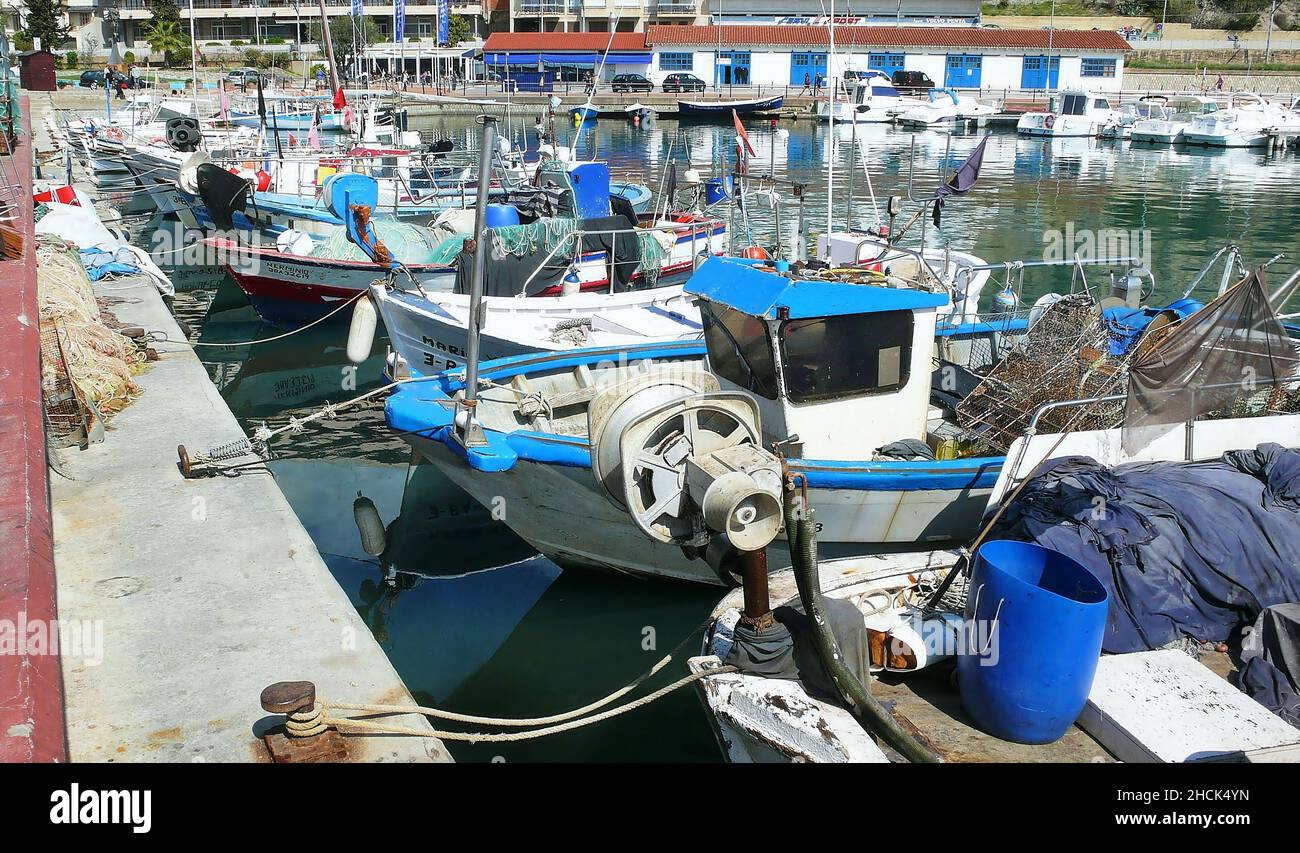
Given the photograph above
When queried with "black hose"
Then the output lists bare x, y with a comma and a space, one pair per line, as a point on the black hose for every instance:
802, 538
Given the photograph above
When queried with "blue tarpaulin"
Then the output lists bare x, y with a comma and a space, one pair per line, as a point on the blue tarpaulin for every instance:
511, 59
1193, 549
99, 263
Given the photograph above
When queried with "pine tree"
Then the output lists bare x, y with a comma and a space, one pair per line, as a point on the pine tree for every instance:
44, 21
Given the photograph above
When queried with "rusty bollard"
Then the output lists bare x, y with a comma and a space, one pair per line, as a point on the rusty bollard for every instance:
303, 737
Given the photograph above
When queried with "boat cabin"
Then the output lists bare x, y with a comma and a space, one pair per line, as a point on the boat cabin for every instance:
1080, 104
845, 367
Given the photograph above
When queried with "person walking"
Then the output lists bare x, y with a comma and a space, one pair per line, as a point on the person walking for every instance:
807, 84
1218, 84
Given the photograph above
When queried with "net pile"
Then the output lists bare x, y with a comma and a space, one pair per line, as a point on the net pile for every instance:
410, 244
84, 361
1064, 356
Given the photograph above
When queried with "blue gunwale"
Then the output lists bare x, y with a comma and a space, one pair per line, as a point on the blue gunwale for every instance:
418, 408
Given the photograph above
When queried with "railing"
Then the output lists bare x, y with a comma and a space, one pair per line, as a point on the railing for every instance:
547, 7
676, 7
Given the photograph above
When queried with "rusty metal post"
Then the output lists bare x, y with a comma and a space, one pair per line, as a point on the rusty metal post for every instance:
753, 572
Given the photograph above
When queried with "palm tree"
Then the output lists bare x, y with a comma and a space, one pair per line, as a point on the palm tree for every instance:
167, 38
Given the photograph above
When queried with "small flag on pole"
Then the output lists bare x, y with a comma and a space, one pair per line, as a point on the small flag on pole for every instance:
962, 180
740, 131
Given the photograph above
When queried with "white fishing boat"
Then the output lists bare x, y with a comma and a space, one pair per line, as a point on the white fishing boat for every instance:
1177, 117
945, 107
871, 98
1079, 114
430, 331
565, 427
1248, 122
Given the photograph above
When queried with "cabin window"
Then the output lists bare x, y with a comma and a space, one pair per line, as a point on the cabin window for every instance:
826, 358
739, 349
1098, 68
1074, 105
676, 61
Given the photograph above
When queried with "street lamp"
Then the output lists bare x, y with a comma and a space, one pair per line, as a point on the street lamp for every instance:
111, 17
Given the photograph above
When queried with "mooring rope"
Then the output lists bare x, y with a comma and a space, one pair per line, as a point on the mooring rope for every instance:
154, 337
317, 720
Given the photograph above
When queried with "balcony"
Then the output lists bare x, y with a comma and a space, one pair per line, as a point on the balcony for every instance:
676, 7
548, 7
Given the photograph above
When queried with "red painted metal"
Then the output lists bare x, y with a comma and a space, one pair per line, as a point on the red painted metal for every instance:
31, 683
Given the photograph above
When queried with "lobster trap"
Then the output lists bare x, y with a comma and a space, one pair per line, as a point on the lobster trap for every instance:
1065, 355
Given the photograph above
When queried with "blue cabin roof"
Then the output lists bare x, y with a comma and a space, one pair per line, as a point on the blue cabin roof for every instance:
739, 285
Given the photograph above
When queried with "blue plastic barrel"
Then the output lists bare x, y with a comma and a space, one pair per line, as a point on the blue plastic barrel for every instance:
714, 191
1034, 625
500, 215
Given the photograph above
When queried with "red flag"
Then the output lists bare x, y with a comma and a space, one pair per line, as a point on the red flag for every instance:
740, 131
339, 101
292, 141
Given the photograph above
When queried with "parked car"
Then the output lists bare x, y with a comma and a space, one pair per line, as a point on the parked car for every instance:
94, 78
246, 77
912, 82
683, 83
631, 83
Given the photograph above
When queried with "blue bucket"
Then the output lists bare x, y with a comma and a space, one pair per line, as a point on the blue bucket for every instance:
500, 215
1034, 625
714, 191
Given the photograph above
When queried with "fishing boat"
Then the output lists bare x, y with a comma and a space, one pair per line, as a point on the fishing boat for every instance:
723, 109
945, 106
872, 98
1168, 128
1248, 122
430, 331
596, 420
305, 276
638, 111
1079, 114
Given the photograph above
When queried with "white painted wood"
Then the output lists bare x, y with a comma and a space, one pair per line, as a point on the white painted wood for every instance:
1163, 706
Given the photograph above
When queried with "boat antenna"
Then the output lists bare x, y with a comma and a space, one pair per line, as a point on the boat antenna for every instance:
467, 429
830, 132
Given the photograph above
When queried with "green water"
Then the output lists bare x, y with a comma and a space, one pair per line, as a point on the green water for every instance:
475, 622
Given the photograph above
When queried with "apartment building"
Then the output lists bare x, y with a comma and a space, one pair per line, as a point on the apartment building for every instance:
99, 24
636, 15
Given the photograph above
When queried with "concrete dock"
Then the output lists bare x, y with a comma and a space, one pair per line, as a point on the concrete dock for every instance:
187, 597
206, 591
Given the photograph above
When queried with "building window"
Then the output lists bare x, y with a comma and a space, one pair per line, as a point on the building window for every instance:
1098, 68
886, 62
676, 61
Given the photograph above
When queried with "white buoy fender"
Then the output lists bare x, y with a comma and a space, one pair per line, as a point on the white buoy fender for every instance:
361, 334
369, 525
691, 176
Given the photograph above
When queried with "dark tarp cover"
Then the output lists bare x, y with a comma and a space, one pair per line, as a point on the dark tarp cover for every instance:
1270, 656
505, 276
1196, 549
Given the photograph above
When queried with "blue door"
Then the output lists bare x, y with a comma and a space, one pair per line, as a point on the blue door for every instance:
963, 71
808, 63
731, 68
1034, 73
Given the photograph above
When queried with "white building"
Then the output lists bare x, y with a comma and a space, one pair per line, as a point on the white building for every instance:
957, 57
768, 55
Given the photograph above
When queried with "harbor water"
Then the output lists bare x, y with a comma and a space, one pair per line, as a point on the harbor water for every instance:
471, 618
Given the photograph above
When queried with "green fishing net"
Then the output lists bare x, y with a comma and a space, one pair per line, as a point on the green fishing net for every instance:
410, 244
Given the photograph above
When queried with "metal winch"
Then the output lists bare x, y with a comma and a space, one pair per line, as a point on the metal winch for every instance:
685, 460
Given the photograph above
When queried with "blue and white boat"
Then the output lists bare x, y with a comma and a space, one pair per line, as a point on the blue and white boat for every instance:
584, 450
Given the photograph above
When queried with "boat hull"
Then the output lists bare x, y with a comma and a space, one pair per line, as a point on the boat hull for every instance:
723, 109
559, 510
